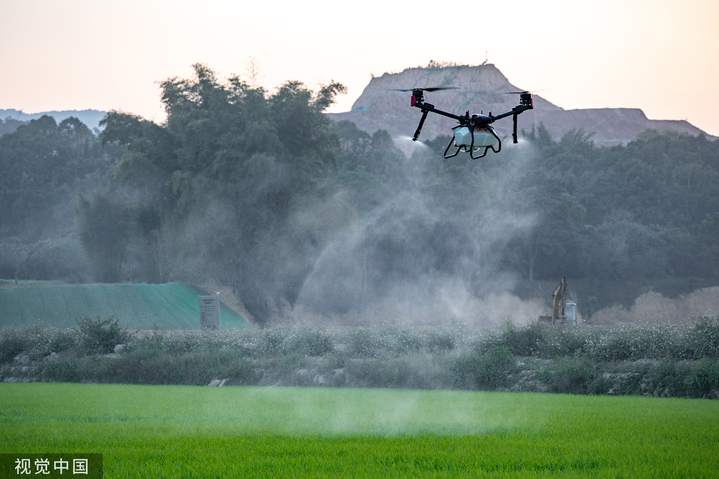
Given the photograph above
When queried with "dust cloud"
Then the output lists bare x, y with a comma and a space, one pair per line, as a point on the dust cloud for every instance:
653, 307
426, 255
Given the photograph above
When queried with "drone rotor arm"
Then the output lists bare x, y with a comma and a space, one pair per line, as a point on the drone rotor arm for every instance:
419, 127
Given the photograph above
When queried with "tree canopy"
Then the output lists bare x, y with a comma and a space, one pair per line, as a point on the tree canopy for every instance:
227, 175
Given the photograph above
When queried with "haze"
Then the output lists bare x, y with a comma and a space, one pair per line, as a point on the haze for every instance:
660, 56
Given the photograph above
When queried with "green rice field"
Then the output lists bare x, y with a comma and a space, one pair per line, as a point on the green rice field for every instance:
186, 431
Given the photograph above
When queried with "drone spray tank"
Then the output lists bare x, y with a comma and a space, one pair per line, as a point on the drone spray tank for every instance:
467, 139
475, 135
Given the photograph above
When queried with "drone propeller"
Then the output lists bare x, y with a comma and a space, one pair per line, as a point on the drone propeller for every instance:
434, 88
467, 123
520, 92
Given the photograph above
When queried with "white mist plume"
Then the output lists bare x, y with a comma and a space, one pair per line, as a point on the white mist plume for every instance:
413, 259
408, 146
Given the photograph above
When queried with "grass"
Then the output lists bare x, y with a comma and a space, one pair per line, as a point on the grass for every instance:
184, 431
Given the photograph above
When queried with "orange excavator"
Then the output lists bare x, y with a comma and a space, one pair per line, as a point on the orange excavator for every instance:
562, 312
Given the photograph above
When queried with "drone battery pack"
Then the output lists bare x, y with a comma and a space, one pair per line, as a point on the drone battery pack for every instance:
482, 138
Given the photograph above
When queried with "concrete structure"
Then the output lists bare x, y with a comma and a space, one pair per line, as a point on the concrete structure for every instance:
210, 312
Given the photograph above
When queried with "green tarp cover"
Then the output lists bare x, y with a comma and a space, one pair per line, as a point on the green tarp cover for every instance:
136, 306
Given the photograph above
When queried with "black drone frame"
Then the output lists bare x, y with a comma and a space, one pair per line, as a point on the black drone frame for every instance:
473, 122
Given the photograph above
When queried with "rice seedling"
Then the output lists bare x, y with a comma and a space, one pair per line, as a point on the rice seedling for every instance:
181, 431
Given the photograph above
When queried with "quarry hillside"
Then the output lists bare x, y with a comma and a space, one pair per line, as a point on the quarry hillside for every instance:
482, 89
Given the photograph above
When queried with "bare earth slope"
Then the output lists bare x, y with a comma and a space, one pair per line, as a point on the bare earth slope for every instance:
480, 89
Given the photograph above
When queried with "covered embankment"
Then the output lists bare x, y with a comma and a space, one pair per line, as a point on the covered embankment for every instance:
136, 306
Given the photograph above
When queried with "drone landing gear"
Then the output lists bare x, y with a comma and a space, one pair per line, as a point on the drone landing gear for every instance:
462, 146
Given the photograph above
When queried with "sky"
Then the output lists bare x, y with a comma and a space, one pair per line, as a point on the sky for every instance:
658, 55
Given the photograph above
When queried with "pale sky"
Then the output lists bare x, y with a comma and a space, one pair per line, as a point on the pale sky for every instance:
658, 55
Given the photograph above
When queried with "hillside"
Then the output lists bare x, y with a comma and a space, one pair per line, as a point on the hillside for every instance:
480, 90
91, 118
136, 306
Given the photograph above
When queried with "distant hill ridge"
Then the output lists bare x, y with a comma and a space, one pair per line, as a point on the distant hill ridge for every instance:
480, 90
91, 118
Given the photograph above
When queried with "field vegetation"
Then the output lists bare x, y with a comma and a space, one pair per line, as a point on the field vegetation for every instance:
678, 360
180, 431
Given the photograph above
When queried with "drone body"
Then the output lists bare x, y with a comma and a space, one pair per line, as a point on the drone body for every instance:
474, 132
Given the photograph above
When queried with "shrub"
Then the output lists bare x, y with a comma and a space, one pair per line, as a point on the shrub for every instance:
310, 342
529, 341
271, 340
441, 341
405, 340
147, 347
705, 338
242, 372
61, 340
377, 373
704, 379
137, 367
461, 371
569, 360
54, 340
100, 336
62, 371
363, 343
495, 367
576, 375
413, 371
12, 342
484, 371
668, 380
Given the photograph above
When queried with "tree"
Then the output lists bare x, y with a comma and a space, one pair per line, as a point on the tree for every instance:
226, 179
105, 226
710, 237
43, 167
9, 125
15, 255
42, 163
553, 245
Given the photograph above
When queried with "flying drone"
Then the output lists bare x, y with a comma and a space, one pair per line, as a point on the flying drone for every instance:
474, 132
